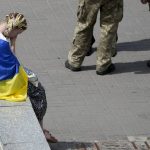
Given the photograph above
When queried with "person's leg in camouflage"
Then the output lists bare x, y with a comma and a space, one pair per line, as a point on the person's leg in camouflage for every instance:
90, 51
87, 14
114, 46
111, 13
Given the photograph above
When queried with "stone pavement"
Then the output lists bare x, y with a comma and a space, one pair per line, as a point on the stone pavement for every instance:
19, 128
138, 143
82, 106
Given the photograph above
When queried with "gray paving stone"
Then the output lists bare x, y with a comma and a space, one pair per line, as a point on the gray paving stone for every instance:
4, 103
27, 146
19, 127
83, 106
115, 145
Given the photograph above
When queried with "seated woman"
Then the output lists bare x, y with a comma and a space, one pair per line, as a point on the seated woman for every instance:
14, 84
13, 79
37, 95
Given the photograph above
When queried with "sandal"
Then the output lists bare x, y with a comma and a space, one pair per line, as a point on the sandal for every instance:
49, 137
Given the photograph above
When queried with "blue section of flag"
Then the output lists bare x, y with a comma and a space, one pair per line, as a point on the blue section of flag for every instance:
9, 64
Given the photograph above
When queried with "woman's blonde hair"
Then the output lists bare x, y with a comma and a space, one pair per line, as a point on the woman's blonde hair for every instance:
16, 21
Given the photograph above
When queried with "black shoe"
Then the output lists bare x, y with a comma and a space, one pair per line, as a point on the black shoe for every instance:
67, 65
110, 69
148, 64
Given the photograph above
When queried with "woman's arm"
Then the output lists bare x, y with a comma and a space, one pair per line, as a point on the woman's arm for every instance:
13, 44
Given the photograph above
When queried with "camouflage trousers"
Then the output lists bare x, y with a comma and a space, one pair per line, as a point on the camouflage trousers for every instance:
111, 13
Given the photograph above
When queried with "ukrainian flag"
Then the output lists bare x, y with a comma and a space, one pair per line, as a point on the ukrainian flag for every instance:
13, 78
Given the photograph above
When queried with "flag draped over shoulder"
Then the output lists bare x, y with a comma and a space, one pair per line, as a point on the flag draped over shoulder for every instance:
13, 79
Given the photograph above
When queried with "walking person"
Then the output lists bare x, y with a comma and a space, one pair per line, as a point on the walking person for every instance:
90, 51
37, 96
111, 13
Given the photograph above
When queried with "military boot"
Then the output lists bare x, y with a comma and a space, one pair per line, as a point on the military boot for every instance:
67, 65
110, 69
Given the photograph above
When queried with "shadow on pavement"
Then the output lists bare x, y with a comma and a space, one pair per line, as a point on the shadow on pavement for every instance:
70, 145
141, 45
138, 67
92, 67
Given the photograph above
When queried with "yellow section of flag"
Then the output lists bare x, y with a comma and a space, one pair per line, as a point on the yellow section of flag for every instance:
15, 89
